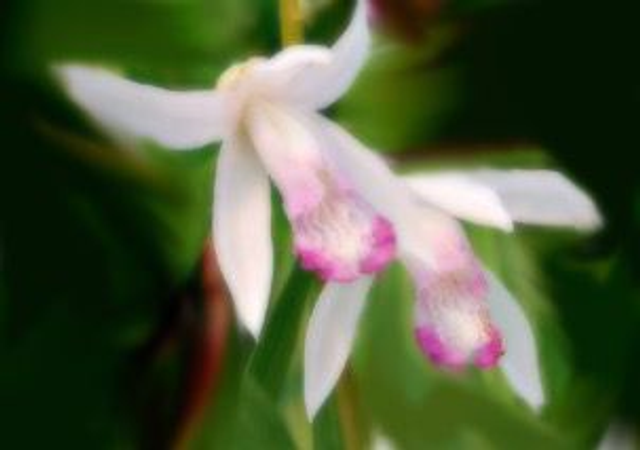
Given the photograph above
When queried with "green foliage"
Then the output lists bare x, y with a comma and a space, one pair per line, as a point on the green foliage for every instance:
100, 246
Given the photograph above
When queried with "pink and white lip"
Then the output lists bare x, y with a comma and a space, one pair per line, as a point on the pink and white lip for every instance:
337, 233
484, 354
453, 324
341, 238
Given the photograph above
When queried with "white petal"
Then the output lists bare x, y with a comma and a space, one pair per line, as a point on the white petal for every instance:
330, 336
349, 55
128, 110
242, 231
541, 197
461, 197
315, 76
520, 362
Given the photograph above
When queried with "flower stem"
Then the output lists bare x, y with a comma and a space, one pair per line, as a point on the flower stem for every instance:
291, 23
275, 350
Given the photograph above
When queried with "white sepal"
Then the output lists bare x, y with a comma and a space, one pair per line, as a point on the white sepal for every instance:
462, 197
126, 109
520, 362
242, 231
330, 335
314, 77
542, 197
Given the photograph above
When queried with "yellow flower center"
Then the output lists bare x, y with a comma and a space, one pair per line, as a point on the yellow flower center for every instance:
234, 75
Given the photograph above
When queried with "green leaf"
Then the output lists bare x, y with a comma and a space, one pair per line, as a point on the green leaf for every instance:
184, 41
327, 432
395, 104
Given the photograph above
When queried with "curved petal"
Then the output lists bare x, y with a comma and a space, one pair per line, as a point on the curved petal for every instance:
316, 76
242, 231
539, 197
288, 74
349, 54
127, 109
520, 363
330, 336
461, 197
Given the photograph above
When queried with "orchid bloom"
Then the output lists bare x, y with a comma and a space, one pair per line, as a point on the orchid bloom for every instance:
463, 314
349, 213
265, 113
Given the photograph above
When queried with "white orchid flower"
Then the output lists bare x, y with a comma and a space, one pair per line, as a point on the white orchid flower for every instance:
461, 310
259, 111
349, 213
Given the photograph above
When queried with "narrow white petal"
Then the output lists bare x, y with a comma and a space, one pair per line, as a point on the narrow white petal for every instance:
520, 363
541, 197
127, 109
316, 76
242, 231
462, 197
330, 336
349, 54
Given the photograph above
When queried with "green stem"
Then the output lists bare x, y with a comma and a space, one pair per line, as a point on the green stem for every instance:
291, 23
273, 356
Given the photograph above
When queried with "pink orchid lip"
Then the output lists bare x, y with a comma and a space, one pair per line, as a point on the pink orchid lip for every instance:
444, 355
489, 354
375, 250
436, 349
336, 233
454, 328
384, 247
326, 268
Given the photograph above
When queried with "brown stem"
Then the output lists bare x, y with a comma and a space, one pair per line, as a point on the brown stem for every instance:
207, 363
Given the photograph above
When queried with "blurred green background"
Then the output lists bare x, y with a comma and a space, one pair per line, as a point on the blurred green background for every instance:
115, 331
